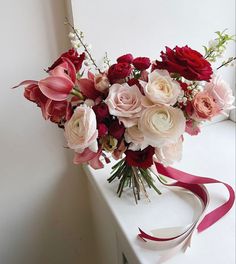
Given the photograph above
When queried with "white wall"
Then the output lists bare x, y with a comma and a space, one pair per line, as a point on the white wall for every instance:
144, 28
44, 213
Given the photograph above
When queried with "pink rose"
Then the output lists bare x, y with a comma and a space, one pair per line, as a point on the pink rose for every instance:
101, 82
204, 107
222, 93
162, 125
81, 130
125, 102
170, 153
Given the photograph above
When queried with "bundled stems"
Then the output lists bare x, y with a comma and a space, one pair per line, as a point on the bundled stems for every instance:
133, 177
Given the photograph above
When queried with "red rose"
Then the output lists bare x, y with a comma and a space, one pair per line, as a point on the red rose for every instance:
116, 129
141, 63
142, 158
101, 111
102, 130
119, 71
73, 56
187, 62
125, 58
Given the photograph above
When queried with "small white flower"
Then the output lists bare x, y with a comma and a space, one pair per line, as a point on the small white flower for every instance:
71, 35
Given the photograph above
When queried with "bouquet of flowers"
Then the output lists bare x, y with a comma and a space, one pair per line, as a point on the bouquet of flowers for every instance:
135, 110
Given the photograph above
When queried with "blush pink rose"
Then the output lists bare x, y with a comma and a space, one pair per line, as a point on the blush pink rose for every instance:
125, 102
204, 106
81, 130
222, 93
162, 125
170, 153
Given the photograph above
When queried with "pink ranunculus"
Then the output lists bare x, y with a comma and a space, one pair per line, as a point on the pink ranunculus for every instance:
222, 93
101, 83
81, 130
125, 102
170, 153
204, 106
161, 125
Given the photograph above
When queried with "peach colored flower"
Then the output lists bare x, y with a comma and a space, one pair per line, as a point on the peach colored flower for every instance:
80, 130
204, 106
125, 102
135, 137
162, 125
170, 153
222, 93
161, 88
101, 82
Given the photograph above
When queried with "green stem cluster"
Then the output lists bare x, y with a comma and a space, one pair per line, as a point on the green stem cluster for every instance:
132, 177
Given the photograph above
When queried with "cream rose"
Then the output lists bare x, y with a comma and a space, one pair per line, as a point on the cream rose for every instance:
161, 88
80, 130
135, 137
125, 102
162, 125
222, 93
170, 153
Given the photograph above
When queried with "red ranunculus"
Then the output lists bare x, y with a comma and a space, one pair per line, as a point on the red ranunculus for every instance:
141, 158
101, 111
73, 56
119, 71
102, 129
125, 58
116, 129
142, 63
186, 62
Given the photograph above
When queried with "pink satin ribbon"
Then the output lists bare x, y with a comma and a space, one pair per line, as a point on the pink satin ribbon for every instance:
194, 184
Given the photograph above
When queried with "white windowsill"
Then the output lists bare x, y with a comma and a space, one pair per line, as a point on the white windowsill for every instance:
210, 154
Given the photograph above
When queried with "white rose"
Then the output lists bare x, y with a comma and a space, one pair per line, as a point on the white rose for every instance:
135, 137
170, 153
81, 130
125, 102
161, 88
161, 125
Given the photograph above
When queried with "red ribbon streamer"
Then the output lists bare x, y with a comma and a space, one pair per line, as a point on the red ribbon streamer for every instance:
195, 185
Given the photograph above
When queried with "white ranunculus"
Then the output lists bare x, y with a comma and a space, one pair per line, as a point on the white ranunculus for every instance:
135, 137
170, 153
81, 130
161, 125
161, 88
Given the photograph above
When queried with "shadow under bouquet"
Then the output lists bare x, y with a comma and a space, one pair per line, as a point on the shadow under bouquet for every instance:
135, 110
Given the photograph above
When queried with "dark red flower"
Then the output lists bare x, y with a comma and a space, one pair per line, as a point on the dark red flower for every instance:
125, 58
73, 56
116, 129
186, 62
101, 111
135, 81
102, 130
141, 158
142, 63
119, 71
